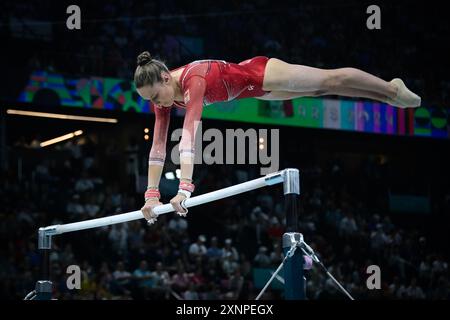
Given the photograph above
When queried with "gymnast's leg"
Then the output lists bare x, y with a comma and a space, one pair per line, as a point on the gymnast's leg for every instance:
282, 76
286, 95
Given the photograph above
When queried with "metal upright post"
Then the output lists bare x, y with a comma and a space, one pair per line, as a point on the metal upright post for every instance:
294, 288
44, 286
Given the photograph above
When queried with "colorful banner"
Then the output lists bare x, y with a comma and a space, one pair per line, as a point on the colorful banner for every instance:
95, 92
351, 115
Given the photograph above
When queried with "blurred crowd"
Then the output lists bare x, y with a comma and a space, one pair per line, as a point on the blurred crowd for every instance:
325, 35
215, 251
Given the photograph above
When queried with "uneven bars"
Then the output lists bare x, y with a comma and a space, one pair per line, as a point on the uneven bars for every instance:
267, 180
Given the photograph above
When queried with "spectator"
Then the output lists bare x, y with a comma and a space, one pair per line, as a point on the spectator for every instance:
198, 249
143, 279
122, 279
262, 260
214, 252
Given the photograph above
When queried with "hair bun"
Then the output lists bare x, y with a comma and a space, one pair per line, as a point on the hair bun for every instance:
144, 58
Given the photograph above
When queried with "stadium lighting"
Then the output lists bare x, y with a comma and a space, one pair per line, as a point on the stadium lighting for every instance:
59, 116
169, 175
61, 138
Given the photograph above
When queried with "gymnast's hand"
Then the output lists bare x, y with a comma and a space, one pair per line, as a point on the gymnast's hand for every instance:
176, 204
147, 210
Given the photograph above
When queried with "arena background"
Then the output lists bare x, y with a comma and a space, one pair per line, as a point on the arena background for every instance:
371, 192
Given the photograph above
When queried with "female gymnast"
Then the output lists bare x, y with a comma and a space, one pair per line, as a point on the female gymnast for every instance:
205, 82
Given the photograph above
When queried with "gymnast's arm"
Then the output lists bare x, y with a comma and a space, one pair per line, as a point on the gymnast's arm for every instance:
158, 151
192, 118
156, 160
194, 94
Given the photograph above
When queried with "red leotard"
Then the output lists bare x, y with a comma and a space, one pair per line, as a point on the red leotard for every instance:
202, 83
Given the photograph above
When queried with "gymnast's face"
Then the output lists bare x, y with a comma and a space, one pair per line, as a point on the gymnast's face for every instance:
161, 94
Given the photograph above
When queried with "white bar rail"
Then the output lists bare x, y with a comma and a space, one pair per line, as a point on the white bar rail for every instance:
270, 179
